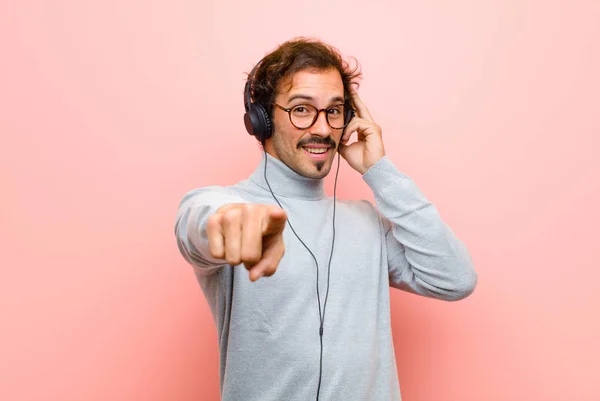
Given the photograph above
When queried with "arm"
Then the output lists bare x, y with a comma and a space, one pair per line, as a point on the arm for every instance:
424, 256
190, 226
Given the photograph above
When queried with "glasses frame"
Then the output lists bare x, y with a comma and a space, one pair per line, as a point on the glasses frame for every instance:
289, 111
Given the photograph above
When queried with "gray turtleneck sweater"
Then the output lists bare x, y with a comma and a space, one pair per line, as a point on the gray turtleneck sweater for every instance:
268, 330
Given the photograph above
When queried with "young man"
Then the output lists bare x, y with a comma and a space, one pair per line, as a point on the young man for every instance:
298, 282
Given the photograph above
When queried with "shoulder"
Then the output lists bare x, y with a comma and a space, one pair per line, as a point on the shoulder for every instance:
360, 209
359, 219
213, 194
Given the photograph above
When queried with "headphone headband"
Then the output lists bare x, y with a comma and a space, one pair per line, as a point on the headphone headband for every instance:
248, 86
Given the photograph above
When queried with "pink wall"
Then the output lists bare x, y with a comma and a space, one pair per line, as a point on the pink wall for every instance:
110, 111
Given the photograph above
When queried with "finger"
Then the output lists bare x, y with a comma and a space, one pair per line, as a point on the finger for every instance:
349, 130
214, 233
255, 272
271, 257
363, 112
232, 230
362, 127
274, 220
251, 244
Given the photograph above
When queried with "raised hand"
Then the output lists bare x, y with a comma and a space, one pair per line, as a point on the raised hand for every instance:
369, 149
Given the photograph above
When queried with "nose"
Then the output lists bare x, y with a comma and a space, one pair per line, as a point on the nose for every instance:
321, 126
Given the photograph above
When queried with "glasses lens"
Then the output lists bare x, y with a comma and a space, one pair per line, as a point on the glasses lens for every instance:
304, 115
335, 116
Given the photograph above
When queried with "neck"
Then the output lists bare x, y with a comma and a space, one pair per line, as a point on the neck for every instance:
286, 182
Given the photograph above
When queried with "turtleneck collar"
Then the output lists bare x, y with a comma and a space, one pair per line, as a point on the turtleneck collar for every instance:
286, 182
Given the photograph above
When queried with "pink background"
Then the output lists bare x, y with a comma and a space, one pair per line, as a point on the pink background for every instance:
110, 111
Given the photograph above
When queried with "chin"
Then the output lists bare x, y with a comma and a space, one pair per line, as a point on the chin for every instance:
318, 175
308, 168
317, 169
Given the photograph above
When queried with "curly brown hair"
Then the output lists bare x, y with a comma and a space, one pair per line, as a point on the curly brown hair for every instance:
295, 55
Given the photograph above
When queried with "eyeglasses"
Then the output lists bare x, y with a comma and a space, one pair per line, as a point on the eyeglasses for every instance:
304, 116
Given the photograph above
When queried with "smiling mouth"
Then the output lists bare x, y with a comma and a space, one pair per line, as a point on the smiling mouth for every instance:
316, 151
318, 154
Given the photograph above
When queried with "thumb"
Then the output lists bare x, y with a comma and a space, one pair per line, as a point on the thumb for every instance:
274, 221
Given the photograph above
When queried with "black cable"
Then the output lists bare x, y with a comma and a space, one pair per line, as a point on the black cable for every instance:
321, 315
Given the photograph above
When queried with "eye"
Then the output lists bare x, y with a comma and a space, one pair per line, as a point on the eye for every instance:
335, 110
301, 109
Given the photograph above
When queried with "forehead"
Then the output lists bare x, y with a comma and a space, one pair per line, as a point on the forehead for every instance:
313, 83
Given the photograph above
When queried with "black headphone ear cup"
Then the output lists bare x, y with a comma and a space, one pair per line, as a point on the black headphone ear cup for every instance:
264, 129
250, 121
258, 123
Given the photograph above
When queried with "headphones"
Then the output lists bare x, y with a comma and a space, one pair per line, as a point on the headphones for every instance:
257, 119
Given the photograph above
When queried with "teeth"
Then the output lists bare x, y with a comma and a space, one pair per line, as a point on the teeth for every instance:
316, 150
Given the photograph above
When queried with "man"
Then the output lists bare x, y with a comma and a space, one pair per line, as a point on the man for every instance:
298, 282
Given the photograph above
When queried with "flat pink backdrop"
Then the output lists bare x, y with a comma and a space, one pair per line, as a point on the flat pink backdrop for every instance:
110, 111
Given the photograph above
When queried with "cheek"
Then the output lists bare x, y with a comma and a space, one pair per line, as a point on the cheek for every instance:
337, 135
289, 141
286, 134
282, 128
283, 140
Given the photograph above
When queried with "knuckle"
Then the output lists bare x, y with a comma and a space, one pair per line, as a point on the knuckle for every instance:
249, 207
281, 250
216, 254
251, 257
270, 270
280, 243
232, 260
213, 222
232, 216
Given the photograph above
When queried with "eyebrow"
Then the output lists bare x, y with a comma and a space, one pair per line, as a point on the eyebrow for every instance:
339, 99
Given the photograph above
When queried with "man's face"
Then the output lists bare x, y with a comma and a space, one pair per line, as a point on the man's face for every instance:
302, 149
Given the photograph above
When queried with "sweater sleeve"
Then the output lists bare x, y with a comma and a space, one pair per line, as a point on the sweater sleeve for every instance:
190, 225
423, 254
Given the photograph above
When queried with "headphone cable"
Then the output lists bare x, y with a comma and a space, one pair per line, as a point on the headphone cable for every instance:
321, 313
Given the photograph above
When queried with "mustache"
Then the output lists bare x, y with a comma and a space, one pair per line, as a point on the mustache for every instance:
318, 141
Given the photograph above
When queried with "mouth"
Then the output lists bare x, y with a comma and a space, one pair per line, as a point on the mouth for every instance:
317, 152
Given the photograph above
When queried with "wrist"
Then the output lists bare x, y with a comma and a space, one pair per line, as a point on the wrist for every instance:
368, 166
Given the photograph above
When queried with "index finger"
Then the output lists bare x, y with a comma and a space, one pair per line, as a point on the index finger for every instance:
274, 221
363, 112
